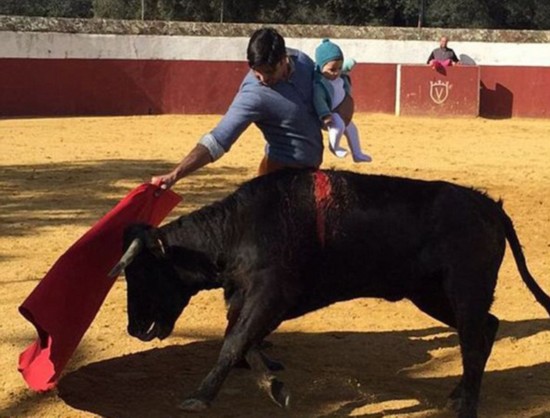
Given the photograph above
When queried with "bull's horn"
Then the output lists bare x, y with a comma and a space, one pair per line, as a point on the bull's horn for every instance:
135, 247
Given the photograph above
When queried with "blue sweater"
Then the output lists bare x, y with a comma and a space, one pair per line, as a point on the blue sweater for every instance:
284, 113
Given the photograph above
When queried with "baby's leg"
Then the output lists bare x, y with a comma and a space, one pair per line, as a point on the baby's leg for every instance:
352, 135
335, 132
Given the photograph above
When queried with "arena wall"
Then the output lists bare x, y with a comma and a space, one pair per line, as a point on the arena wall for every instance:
97, 67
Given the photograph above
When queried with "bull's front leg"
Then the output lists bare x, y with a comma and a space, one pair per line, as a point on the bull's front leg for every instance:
255, 321
235, 306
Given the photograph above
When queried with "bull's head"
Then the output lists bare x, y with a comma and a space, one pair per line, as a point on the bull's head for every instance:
157, 292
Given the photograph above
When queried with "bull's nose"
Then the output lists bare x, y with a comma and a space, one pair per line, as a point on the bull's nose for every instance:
132, 330
164, 330
137, 328
143, 331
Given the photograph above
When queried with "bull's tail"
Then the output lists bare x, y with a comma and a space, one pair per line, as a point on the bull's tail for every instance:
521, 264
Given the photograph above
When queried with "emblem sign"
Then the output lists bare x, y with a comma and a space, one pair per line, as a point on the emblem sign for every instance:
439, 91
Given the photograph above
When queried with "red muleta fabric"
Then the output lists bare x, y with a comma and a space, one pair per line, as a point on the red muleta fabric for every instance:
67, 299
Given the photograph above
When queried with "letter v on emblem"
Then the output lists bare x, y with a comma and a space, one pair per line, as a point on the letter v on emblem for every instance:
439, 91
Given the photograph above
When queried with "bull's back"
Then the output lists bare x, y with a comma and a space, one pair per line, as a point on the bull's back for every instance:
387, 236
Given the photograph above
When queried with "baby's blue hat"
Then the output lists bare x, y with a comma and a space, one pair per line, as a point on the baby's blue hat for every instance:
327, 51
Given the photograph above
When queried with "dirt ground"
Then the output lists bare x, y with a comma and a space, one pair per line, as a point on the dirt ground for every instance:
364, 358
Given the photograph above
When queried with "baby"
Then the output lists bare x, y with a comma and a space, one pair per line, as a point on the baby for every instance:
330, 86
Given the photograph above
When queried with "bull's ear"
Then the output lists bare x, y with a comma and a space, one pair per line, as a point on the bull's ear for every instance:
155, 244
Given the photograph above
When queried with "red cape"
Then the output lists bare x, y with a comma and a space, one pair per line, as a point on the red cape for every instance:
67, 299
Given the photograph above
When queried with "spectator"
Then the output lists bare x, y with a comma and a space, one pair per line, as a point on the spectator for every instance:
276, 95
443, 56
331, 86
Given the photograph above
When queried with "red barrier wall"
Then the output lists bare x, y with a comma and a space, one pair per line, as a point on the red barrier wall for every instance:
515, 91
445, 91
116, 87
52, 87
374, 87
60, 87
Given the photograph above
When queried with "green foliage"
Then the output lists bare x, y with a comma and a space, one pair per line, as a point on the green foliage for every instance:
491, 14
542, 14
313, 14
197, 10
47, 8
525, 14
115, 9
445, 14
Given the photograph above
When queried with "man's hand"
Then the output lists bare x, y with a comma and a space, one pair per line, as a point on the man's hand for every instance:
197, 158
164, 181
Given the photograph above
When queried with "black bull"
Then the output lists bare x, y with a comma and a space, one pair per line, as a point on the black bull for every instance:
292, 242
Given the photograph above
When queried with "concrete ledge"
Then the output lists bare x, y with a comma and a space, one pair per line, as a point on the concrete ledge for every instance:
136, 27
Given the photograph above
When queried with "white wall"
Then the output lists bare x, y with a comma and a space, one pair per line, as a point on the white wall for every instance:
93, 46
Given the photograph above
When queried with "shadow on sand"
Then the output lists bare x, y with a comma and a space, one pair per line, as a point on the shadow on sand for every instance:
53, 195
334, 371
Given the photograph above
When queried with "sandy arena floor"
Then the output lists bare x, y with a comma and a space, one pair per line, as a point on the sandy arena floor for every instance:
365, 358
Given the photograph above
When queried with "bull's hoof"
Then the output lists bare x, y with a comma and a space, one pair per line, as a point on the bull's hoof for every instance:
279, 394
193, 405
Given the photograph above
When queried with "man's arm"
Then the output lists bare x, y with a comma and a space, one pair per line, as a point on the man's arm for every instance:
197, 158
241, 113
454, 58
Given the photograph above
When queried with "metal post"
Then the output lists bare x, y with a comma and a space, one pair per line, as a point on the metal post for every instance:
421, 13
221, 11
142, 9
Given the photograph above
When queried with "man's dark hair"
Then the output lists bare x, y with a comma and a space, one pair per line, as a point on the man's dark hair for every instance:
266, 47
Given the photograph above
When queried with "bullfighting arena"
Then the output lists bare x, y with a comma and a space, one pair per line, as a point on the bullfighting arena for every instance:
363, 358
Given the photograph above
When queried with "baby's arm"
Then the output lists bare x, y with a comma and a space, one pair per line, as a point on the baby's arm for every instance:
349, 63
